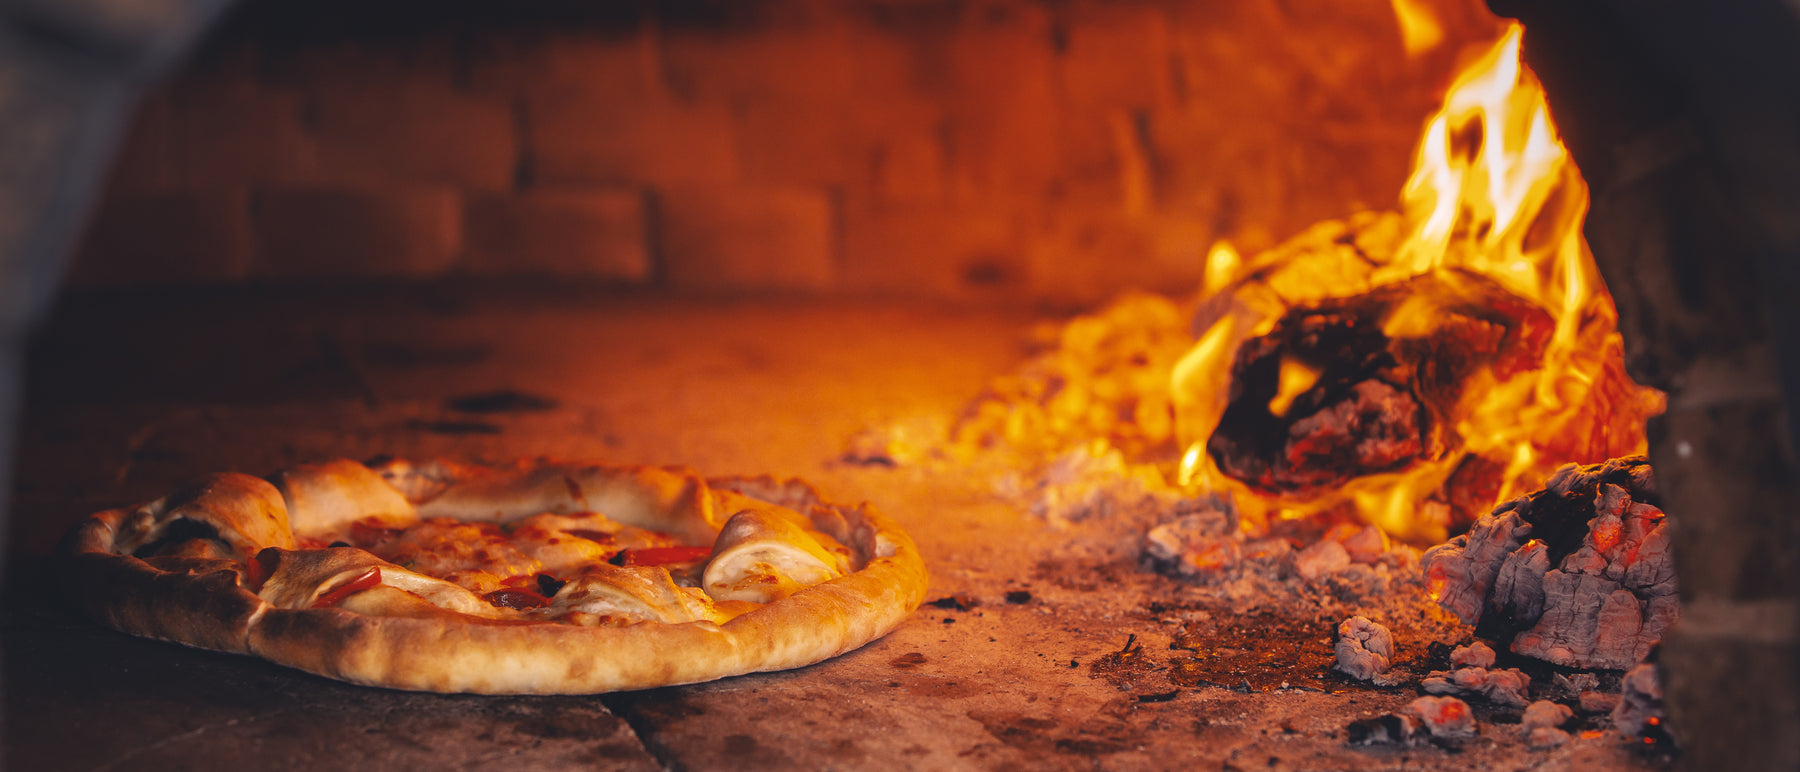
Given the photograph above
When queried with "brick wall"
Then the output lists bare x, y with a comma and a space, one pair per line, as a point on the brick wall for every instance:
958, 149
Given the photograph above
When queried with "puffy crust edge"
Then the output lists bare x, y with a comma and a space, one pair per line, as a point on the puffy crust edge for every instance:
201, 605
452, 652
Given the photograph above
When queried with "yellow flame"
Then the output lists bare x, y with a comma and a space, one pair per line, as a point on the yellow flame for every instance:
1419, 27
1493, 194
1294, 379
1222, 264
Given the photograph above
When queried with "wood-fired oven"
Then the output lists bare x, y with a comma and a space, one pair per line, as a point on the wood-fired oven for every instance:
815, 238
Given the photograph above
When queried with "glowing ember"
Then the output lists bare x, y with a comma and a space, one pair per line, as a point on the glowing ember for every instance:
1490, 347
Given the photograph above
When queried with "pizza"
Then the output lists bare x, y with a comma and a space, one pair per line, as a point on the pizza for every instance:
540, 578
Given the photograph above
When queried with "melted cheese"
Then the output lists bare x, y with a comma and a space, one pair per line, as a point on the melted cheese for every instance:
441, 546
762, 555
614, 594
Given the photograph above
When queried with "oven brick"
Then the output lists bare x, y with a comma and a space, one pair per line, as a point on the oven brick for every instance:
380, 113
1003, 129
835, 127
1115, 57
577, 137
313, 62
595, 233
909, 169
1084, 259
1107, 164
934, 252
232, 132
329, 233
416, 131
611, 63
814, 58
179, 237
1087, 256
1719, 460
780, 142
600, 109
143, 163
1743, 673
747, 238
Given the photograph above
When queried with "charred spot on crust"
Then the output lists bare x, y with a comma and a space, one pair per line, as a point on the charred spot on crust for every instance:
549, 585
515, 599
177, 537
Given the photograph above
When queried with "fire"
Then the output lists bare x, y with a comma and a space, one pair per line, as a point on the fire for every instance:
1419, 28
1485, 271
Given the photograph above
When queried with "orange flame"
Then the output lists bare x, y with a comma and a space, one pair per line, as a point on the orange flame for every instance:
1419, 27
1494, 196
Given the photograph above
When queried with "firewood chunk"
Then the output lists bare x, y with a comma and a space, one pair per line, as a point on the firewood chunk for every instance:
1546, 737
1325, 557
1366, 544
1640, 713
1578, 574
1543, 724
1653, 572
1443, 716
1476, 654
1352, 413
1364, 648
1501, 687
1460, 572
1346, 387
1381, 730
1576, 684
1545, 713
1598, 702
1518, 590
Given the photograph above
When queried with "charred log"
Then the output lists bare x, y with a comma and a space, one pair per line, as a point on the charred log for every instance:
1578, 573
1329, 394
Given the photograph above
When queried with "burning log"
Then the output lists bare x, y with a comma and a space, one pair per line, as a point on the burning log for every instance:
1360, 385
1578, 573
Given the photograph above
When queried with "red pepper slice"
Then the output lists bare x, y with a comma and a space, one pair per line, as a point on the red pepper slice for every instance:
369, 531
258, 568
601, 537
345, 590
662, 556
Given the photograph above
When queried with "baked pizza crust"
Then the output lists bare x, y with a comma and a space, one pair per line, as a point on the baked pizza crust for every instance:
238, 580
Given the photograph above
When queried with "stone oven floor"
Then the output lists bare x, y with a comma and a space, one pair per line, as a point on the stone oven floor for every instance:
131, 395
